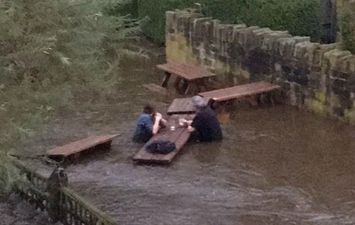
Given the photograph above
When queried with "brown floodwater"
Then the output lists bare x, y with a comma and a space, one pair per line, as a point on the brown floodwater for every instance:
276, 165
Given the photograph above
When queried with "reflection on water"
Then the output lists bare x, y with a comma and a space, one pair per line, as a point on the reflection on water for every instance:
275, 166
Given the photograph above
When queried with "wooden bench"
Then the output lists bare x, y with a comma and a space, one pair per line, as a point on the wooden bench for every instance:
179, 136
240, 91
74, 149
190, 75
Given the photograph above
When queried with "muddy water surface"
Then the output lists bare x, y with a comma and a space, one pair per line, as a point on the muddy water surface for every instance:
276, 165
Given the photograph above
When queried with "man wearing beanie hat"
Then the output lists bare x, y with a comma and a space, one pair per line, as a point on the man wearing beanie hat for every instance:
205, 126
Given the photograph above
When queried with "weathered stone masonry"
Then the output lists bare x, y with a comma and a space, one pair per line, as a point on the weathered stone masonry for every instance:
314, 76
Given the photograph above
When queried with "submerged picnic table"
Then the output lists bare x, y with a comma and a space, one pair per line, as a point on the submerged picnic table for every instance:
245, 91
179, 136
190, 75
240, 91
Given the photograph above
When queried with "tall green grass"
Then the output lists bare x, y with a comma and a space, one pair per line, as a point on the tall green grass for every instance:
53, 55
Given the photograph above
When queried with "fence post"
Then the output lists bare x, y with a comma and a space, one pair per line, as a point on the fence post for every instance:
57, 179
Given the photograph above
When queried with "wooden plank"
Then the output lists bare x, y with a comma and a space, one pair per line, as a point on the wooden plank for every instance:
179, 136
180, 142
240, 91
186, 71
80, 145
181, 106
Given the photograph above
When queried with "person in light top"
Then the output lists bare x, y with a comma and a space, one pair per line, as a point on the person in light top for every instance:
148, 124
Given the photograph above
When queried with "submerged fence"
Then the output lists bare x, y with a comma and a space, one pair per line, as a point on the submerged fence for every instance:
52, 194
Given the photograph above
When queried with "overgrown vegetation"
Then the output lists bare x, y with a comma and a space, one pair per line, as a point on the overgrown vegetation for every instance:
53, 54
299, 17
347, 33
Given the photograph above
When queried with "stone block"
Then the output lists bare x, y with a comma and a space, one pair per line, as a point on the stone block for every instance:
318, 57
198, 28
259, 36
170, 22
334, 58
270, 40
286, 46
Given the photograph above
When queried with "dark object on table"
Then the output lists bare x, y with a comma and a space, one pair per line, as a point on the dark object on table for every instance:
160, 147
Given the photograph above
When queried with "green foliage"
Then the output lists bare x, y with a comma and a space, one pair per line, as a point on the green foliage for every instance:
347, 33
154, 12
124, 7
54, 54
299, 17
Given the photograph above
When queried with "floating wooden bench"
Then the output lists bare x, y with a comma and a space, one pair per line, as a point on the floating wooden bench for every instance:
240, 91
181, 106
179, 136
80, 146
156, 88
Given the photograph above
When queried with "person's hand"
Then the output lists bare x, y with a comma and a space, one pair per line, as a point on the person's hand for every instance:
189, 122
182, 122
190, 129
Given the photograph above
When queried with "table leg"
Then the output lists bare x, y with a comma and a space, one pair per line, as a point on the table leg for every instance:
166, 79
177, 84
201, 85
252, 99
186, 87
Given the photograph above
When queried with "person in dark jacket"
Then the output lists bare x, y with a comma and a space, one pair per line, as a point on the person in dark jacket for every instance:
205, 126
148, 124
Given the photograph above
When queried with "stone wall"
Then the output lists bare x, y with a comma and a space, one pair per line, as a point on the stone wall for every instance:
314, 76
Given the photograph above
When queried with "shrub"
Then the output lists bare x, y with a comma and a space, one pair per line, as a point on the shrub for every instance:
299, 17
347, 33
154, 13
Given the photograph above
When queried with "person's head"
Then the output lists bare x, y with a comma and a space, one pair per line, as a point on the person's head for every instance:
149, 109
199, 102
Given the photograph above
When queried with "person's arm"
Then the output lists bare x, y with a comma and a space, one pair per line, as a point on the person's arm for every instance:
156, 126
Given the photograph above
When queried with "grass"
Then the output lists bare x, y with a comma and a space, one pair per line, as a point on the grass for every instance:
55, 55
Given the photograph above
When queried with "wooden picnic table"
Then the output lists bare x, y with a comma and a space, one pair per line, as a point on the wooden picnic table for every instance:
83, 145
179, 136
190, 75
240, 91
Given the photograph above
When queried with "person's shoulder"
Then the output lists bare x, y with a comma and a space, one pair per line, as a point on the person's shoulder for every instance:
144, 117
207, 110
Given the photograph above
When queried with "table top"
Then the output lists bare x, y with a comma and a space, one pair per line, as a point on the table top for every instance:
181, 106
186, 71
179, 136
240, 91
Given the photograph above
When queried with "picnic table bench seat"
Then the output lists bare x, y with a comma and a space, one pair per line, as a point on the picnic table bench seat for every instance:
240, 91
80, 146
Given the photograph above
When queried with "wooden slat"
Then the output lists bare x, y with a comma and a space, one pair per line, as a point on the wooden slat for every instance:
186, 71
80, 145
240, 91
181, 106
